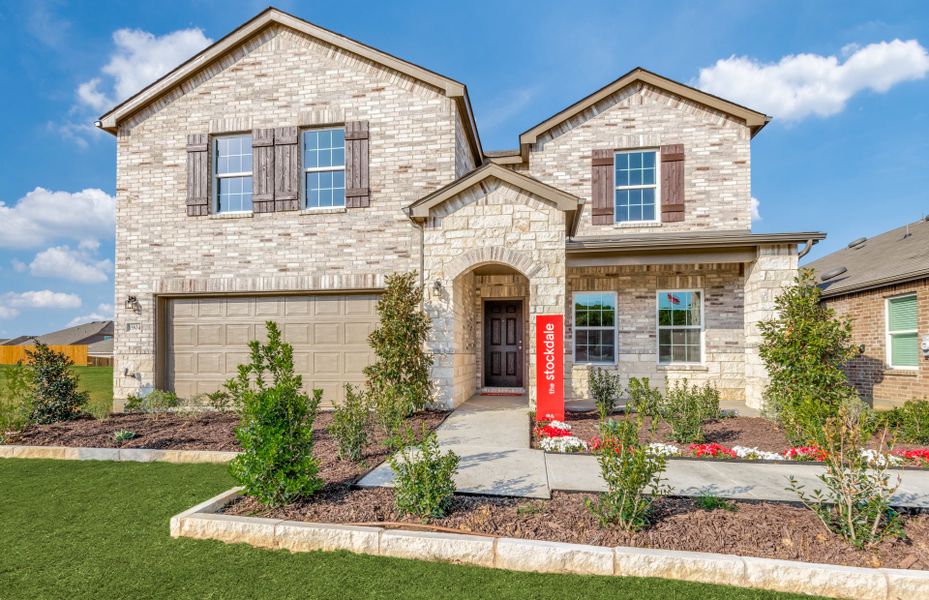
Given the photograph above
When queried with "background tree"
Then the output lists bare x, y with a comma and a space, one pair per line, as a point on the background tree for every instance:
804, 349
398, 380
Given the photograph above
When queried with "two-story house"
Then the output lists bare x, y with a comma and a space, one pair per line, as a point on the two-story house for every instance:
284, 171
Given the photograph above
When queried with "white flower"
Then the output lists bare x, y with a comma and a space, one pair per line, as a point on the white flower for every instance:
659, 449
567, 443
559, 425
754, 453
877, 459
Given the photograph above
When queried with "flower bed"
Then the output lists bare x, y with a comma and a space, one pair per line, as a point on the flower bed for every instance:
581, 435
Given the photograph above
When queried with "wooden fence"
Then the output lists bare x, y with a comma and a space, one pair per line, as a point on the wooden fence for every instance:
10, 355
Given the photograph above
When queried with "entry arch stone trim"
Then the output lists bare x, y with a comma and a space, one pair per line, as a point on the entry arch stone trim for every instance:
476, 257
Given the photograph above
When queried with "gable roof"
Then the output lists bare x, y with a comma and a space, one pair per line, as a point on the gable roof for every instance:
561, 199
893, 257
76, 334
753, 119
453, 89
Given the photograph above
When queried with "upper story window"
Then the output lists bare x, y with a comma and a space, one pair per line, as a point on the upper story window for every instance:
680, 326
636, 180
595, 327
324, 167
233, 187
902, 335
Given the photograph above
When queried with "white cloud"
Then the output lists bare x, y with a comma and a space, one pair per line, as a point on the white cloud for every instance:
11, 302
508, 105
18, 265
104, 312
801, 85
43, 216
139, 59
79, 265
756, 214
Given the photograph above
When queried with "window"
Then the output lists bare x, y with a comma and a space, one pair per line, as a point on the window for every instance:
324, 167
233, 173
902, 342
636, 180
680, 326
595, 327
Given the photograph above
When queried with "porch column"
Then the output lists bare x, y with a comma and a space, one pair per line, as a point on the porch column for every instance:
774, 269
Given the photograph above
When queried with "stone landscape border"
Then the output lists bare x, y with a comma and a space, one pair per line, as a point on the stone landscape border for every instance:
205, 522
117, 454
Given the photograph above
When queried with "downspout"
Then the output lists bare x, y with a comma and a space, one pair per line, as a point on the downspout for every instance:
806, 249
421, 226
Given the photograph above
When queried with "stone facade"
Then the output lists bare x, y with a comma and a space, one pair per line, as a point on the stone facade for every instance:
717, 167
875, 381
490, 223
279, 78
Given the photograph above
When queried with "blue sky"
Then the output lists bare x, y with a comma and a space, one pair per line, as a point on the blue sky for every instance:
847, 83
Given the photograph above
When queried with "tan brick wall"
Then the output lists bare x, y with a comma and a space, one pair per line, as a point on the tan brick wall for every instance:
279, 78
717, 175
636, 288
870, 373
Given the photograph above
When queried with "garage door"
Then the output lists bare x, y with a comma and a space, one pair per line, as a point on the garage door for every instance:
208, 338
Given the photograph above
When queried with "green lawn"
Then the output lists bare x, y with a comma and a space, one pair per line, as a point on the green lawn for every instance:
99, 382
100, 530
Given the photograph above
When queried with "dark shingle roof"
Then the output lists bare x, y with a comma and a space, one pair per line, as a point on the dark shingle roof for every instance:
896, 256
101, 348
76, 334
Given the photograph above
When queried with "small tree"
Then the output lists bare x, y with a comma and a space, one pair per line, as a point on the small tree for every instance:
424, 476
276, 432
349, 425
55, 394
16, 394
604, 389
804, 349
398, 380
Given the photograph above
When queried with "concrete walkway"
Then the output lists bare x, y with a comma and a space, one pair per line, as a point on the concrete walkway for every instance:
491, 435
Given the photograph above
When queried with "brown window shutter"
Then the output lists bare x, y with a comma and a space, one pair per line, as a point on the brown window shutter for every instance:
286, 169
601, 192
198, 174
672, 183
357, 191
263, 170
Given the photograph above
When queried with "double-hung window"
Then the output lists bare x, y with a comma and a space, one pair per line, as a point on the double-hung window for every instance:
680, 326
233, 173
902, 336
324, 167
595, 327
636, 180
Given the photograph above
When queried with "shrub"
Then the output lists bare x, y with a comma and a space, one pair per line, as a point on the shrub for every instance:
16, 393
423, 476
910, 421
711, 502
54, 386
604, 389
645, 400
398, 380
276, 465
685, 408
123, 436
153, 403
220, 401
804, 349
349, 425
856, 501
632, 475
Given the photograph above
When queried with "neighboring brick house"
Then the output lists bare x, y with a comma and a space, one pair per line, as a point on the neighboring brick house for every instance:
283, 172
882, 285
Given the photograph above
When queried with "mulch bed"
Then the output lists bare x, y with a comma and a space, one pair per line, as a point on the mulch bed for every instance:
204, 431
756, 432
760, 529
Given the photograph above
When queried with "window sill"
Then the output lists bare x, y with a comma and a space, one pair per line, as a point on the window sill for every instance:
334, 210
631, 224
233, 215
683, 367
901, 372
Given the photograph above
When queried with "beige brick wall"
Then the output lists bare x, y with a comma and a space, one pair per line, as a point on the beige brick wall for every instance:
869, 373
717, 175
636, 288
279, 78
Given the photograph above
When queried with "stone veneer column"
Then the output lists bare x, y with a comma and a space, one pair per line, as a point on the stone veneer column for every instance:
774, 269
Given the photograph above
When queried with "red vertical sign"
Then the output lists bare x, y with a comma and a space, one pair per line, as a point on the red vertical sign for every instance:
549, 366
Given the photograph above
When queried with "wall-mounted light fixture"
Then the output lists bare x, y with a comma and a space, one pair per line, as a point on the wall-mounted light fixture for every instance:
132, 303
437, 286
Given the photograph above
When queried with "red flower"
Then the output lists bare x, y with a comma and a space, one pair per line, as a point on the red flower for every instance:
713, 450
550, 431
918, 455
806, 453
